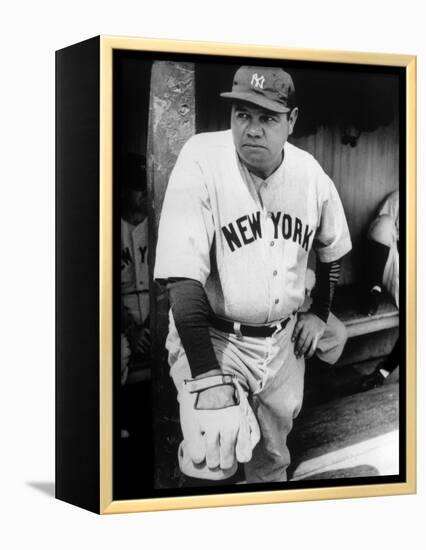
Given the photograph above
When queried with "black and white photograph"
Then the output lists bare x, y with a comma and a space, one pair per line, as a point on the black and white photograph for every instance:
213, 276
212, 292
259, 274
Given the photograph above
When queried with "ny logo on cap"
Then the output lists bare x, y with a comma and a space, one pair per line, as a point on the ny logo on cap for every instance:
257, 81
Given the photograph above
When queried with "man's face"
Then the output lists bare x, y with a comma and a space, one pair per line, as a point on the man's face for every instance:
259, 136
138, 201
134, 203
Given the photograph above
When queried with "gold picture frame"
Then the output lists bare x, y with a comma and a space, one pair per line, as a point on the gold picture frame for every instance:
103, 489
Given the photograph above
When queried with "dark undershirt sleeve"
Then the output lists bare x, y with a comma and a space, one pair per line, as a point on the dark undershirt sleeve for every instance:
327, 275
191, 312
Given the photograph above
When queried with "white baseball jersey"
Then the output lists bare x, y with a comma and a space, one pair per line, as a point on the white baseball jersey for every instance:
134, 269
247, 240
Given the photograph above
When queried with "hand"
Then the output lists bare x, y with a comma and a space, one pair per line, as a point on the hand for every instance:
306, 334
144, 340
140, 339
217, 397
125, 355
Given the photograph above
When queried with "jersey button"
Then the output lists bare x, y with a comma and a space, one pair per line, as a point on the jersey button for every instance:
275, 273
272, 243
276, 300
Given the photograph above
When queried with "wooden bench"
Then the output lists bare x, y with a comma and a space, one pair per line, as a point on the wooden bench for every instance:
370, 338
346, 308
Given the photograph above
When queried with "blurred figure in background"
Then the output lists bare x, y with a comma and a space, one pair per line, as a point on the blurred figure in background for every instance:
134, 265
382, 257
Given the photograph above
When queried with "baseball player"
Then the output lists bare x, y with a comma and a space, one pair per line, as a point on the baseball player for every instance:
382, 254
242, 211
134, 262
382, 257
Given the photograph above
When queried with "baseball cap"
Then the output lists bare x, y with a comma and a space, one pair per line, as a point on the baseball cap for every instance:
269, 87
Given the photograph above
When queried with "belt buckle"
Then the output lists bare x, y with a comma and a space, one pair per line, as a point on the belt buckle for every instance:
279, 325
237, 330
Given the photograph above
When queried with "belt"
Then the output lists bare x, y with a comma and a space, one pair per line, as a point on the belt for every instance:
262, 331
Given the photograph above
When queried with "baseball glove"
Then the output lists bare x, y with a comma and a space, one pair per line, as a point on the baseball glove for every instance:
215, 439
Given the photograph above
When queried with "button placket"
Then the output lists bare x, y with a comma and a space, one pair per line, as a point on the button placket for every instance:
268, 235
276, 287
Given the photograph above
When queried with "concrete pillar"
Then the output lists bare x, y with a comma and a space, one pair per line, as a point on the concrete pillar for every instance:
171, 123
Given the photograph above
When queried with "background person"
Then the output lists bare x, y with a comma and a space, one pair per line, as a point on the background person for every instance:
382, 256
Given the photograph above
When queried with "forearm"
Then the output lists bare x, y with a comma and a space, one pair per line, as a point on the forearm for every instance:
191, 312
327, 276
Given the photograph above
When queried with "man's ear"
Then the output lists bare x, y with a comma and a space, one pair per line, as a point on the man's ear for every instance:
292, 117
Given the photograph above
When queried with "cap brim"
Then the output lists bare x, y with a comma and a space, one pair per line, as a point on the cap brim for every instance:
257, 99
